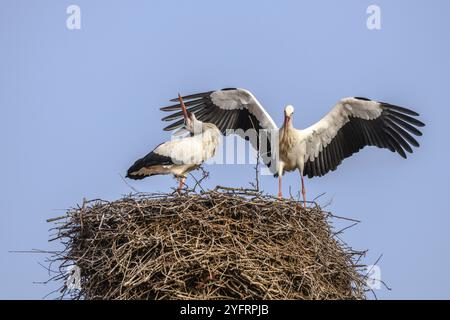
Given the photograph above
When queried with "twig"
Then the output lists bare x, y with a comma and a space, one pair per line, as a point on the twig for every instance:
129, 185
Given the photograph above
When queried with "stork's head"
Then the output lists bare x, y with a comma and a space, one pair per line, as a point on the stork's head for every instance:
190, 121
193, 125
288, 112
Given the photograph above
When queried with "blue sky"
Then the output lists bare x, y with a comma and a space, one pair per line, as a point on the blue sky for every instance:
79, 106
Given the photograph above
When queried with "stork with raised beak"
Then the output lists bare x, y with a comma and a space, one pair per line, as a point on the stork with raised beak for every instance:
352, 124
182, 155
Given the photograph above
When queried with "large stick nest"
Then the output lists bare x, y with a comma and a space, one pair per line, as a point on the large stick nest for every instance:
213, 245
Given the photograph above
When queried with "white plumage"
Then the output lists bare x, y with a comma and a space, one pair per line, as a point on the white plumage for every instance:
191, 150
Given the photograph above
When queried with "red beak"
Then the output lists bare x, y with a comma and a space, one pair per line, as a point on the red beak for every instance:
183, 107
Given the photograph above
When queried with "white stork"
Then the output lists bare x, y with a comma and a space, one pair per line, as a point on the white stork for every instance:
352, 124
179, 156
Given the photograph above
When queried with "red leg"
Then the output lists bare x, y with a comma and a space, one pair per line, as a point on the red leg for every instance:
181, 184
303, 191
280, 194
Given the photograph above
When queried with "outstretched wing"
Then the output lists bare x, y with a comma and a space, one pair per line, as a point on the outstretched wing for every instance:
232, 110
353, 124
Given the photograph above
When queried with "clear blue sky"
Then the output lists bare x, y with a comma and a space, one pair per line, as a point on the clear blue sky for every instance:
79, 106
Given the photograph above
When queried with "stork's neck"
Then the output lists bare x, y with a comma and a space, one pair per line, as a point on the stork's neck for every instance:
287, 125
286, 134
